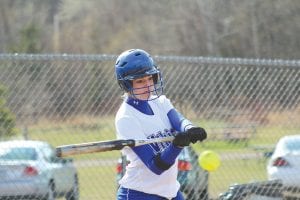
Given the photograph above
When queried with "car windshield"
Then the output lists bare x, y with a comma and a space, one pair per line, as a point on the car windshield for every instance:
18, 153
293, 145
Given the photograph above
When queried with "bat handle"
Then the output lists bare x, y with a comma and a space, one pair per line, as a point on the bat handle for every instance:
119, 144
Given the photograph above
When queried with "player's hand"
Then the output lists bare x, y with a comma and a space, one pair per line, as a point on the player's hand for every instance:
182, 139
196, 134
192, 135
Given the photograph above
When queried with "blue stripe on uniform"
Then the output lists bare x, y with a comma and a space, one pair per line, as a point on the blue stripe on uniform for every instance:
178, 122
147, 155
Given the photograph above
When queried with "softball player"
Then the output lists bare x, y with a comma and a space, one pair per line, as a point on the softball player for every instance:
145, 113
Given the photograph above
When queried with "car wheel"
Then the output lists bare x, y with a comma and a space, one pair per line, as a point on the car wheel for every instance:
204, 194
74, 193
199, 195
51, 191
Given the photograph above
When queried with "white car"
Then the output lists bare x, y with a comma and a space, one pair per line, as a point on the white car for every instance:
284, 163
30, 169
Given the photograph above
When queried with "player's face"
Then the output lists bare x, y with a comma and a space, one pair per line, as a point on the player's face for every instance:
142, 87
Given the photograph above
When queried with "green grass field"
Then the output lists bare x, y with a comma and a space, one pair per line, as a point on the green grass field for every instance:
240, 163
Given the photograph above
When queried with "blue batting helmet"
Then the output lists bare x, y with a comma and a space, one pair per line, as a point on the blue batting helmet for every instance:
137, 63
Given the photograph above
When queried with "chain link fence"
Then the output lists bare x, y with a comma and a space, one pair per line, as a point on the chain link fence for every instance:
245, 105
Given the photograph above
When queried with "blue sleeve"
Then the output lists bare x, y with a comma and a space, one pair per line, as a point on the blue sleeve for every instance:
147, 155
178, 122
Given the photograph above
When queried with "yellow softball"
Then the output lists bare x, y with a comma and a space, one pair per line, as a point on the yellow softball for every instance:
209, 160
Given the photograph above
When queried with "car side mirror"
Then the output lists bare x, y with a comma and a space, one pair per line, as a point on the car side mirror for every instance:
66, 160
61, 160
268, 154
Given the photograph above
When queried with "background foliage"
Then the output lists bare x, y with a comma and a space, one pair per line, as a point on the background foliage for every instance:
231, 28
7, 119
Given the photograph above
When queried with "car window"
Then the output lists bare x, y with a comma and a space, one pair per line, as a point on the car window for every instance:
293, 145
184, 154
49, 154
18, 153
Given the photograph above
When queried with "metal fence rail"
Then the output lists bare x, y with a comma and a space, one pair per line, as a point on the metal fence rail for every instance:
246, 105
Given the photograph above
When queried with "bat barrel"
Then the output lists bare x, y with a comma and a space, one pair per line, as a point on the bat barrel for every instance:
93, 147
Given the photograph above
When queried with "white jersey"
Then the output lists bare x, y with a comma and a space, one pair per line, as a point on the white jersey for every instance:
134, 124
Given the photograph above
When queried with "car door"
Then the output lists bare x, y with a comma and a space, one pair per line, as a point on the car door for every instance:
62, 171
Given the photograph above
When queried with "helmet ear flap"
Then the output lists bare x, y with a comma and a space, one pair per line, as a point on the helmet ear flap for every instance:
155, 78
125, 85
122, 86
156, 75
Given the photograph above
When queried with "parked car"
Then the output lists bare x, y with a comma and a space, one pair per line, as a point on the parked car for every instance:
284, 164
193, 179
31, 170
268, 190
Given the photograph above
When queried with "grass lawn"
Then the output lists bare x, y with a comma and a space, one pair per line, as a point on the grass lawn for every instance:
97, 183
236, 171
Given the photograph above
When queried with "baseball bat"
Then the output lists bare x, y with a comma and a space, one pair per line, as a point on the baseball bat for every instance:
101, 146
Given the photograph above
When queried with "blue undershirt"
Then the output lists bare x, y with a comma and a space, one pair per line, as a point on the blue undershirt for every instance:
140, 105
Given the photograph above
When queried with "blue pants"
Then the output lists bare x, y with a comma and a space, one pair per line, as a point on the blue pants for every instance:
128, 194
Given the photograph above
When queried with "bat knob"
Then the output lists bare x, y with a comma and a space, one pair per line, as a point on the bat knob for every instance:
58, 152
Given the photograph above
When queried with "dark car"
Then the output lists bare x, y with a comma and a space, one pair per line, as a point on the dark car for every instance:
193, 179
256, 190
